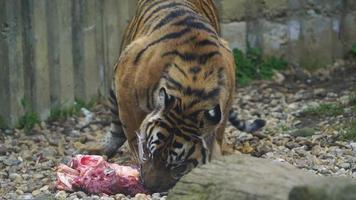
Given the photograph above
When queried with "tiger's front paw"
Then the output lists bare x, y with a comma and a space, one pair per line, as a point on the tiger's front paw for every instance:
107, 145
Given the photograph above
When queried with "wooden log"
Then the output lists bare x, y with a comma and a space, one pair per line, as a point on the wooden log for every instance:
244, 177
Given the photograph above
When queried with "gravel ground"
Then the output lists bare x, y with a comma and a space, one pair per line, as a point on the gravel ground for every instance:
309, 142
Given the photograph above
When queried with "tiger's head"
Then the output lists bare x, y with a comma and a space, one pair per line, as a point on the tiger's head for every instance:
191, 104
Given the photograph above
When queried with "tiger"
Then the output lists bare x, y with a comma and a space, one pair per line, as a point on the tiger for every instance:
172, 90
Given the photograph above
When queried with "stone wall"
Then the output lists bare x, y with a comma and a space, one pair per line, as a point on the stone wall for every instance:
311, 33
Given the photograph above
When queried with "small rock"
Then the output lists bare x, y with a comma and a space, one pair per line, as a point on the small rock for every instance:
316, 150
44, 188
320, 92
332, 95
120, 197
156, 196
141, 197
106, 198
354, 175
38, 176
61, 195
345, 165
26, 197
19, 192
3, 149
278, 77
345, 100
353, 146
15, 177
36, 192
304, 132
81, 194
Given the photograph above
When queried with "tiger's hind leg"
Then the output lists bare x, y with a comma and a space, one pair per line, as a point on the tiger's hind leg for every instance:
245, 126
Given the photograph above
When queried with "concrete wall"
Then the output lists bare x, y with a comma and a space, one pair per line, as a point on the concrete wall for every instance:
312, 33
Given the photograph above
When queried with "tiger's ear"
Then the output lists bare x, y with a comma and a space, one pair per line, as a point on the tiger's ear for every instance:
164, 99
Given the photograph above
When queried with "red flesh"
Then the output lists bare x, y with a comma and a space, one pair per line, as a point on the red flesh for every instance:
94, 175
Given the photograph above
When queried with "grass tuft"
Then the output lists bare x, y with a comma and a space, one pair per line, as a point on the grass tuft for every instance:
353, 99
252, 66
353, 49
328, 110
3, 124
350, 131
60, 113
29, 119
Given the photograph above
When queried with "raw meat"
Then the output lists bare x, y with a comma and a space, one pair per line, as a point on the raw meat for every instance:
94, 175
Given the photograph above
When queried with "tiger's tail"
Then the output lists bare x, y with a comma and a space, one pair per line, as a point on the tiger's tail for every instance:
245, 126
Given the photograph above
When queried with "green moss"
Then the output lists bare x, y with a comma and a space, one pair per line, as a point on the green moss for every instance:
61, 112
353, 49
3, 124
252, 66
29, 119
353, 99
304, 132
327, 110
350, 131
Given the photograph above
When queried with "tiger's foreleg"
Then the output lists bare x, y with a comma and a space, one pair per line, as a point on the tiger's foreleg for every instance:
114, 138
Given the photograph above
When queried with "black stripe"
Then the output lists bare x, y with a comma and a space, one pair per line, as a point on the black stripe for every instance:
183, 56
203, 155
116, 122
168, 36
195, 69
181, 155
189, 130
114, 111
177, 145
165, 126
194, 23
148, 127
190, 152
181, 70
157, 142
171, 121
112, 94
170, 17
213, 93
177, 120
206, 42
180, 134
161, 136
173, 153
174, 82
203, 59
159, 8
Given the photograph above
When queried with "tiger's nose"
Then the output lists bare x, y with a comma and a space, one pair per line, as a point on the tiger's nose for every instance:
155, 177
